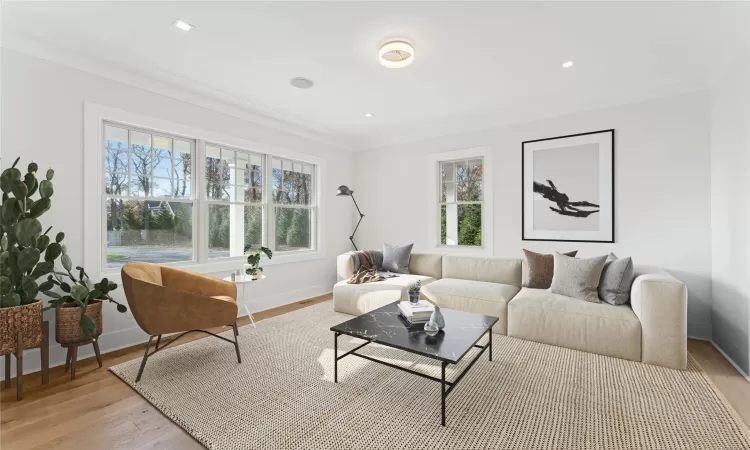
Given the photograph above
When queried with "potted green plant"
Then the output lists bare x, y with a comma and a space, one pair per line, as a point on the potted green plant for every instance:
414, 292
27, 254
78, 312
253, 260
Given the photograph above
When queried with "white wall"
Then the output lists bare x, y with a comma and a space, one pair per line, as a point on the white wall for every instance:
730, 212
42, 111
662, 190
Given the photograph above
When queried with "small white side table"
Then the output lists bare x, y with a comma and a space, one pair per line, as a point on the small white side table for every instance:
243, 280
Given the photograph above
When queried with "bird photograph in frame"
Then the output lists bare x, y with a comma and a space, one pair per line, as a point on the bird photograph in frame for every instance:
568, 188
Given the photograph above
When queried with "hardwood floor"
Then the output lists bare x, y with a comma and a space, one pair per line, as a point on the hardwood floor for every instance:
98, 411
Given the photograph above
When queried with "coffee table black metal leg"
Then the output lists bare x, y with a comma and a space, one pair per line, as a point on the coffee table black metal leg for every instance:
490, 343
442, 393
336, 357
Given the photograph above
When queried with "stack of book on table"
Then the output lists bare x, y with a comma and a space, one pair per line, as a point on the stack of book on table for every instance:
416, 313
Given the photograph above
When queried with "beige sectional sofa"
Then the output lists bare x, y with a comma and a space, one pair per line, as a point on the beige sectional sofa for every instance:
652, 328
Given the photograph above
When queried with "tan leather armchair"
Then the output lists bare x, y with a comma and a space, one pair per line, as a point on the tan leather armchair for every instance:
166, 300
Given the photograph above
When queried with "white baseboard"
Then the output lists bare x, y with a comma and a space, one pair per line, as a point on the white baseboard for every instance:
742, 372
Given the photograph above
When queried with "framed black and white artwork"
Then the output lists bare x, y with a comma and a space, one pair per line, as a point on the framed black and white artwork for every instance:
568, 188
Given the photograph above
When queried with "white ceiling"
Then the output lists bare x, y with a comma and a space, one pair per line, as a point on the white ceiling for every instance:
477, 65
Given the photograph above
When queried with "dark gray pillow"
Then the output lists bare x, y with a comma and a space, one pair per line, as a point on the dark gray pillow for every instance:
377, 258
617, 278
577, 277
396, 259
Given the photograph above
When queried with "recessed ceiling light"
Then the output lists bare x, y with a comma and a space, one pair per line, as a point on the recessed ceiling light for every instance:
567, 64
301, 82
368, 115
396, 54
184, 26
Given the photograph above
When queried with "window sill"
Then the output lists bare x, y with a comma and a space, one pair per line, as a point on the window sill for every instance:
229, 264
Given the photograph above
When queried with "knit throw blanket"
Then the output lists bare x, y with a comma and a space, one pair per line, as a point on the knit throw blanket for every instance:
365, 270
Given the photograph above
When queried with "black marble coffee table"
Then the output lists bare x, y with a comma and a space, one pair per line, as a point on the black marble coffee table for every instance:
384, 326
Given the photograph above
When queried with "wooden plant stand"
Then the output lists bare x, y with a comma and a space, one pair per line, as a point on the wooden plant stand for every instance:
44, 354
72, 358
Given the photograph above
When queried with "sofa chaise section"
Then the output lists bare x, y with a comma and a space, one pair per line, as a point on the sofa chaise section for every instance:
357, 299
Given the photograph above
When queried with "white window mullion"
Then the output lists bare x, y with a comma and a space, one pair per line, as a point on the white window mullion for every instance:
200, 206
269, 221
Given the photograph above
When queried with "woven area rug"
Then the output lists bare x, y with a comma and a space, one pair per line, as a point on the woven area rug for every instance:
532, 396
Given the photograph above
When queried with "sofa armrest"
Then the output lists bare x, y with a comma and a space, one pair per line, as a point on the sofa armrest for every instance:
660, 302
345, 265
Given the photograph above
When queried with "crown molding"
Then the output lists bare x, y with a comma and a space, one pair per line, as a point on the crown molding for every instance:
169, 85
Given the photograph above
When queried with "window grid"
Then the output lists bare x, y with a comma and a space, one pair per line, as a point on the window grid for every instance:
450, 208
302, 214
237, 207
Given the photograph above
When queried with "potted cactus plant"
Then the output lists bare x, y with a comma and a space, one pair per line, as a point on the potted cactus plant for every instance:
27, 254
253, 260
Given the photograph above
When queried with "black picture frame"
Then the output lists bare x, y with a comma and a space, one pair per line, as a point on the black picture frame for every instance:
523, 187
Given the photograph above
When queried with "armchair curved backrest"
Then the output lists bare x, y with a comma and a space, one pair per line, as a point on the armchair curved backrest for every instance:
168, 300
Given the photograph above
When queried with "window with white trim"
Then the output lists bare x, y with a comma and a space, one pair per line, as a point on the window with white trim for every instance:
234, 193
149, 196
294, 204
461, 202
176, 199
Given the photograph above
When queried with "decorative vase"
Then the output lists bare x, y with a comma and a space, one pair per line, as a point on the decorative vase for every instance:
437, 318
414, 297
27, 319
431, 328
68, 319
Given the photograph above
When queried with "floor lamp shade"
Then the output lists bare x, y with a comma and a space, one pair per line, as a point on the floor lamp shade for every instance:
345, 191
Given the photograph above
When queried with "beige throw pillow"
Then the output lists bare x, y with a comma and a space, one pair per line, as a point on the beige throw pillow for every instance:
540, 269
577, 277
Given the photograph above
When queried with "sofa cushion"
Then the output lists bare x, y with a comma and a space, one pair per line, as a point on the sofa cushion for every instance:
478, 297
427, 264
539, 315
491, 270
357, 299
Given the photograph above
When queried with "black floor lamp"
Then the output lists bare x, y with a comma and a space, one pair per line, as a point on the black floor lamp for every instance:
343, 190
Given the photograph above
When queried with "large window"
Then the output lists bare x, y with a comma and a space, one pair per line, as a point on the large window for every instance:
460, 200
172, 199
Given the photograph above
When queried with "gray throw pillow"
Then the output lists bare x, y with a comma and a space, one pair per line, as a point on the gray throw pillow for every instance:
377, 258
396, 259
577, 277
617, 278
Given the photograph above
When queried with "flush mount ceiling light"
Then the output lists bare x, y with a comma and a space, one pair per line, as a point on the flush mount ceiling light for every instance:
396, 54
301, 83
368, 115
567, 64
182, 25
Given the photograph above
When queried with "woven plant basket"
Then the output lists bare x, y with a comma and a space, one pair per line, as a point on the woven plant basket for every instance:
27, 318
68, 320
